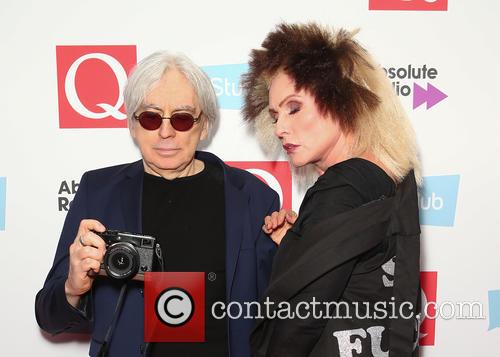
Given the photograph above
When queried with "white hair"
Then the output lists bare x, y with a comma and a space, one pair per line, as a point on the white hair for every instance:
151, 69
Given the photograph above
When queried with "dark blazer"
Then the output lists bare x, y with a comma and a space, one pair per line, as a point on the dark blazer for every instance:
113, 196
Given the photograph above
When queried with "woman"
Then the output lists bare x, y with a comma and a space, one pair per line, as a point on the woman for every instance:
205, 215
352, 254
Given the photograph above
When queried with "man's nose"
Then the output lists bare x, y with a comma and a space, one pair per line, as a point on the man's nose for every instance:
166, 130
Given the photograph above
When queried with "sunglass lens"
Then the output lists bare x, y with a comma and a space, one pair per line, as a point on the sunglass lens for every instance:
150, 120
182, 121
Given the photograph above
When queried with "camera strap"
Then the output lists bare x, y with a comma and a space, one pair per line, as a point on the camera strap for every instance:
160, 257
147, 345
103, 350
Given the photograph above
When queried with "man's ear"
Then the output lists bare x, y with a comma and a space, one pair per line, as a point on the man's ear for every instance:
204, 130
131, 129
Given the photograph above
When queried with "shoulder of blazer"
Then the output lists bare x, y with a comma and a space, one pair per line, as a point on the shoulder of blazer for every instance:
113, 174
241, 179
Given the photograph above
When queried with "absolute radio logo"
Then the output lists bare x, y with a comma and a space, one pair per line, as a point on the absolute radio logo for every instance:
428, 286
409, 5
404, 81
3, 196
226, 82
90, 82
66, 193
276, 174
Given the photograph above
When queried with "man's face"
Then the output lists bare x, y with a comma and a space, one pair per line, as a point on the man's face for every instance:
164, 150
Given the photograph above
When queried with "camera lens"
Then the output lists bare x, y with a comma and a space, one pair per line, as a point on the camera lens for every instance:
121, 261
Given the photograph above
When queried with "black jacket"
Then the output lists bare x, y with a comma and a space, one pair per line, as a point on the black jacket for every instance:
364, 256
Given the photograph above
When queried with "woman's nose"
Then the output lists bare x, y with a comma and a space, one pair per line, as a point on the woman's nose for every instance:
281, 127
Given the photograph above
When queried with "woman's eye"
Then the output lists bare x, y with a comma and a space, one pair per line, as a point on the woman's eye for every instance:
274, 117
293, 108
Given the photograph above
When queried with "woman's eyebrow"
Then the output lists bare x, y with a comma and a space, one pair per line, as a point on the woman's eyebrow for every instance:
272, 110
286, 98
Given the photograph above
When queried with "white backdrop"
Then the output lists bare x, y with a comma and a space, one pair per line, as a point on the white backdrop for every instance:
458, 135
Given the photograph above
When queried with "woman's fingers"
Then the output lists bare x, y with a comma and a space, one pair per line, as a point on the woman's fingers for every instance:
277, 219
268, 224
291, 217
274, 219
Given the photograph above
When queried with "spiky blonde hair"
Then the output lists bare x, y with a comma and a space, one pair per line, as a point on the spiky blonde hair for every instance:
346, 83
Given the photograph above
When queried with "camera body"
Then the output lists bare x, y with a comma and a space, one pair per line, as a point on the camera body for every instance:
128, 255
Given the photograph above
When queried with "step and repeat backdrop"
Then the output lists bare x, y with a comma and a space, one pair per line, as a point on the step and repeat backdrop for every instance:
64, 65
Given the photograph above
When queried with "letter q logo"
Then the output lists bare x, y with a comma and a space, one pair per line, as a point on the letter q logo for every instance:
276, 174
91, 80
428, 286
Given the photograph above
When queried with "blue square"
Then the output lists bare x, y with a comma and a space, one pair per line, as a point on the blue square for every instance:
226, 81
438, 200
3, 186
494, 308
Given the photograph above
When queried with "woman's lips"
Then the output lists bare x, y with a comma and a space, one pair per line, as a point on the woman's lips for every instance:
290, 148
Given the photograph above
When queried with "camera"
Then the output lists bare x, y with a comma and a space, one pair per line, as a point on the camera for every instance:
128, 256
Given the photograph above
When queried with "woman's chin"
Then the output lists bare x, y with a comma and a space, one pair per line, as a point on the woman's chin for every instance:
297, 161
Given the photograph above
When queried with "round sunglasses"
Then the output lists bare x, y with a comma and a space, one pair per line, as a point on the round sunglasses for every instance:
180, 121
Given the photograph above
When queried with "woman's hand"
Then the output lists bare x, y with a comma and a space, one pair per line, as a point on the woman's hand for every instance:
85, 254
278, 223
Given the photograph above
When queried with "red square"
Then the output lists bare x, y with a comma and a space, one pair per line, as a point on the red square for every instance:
276, 174
409, 5
174, 307
428, 283
90, 83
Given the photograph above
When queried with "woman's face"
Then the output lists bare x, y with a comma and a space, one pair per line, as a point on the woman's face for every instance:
166, 151
307, 136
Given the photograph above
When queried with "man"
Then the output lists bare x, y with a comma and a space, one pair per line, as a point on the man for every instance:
206, 216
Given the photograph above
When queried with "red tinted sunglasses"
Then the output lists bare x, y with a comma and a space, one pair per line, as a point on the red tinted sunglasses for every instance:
179, 121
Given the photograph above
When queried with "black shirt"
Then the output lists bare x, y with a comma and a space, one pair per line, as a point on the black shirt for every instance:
187, 215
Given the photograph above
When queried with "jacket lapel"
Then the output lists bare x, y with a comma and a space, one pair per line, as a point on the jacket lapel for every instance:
236, 211
236, 207
131, 197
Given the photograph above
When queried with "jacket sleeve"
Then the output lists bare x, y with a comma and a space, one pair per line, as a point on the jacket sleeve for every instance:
53, 312
265, 251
